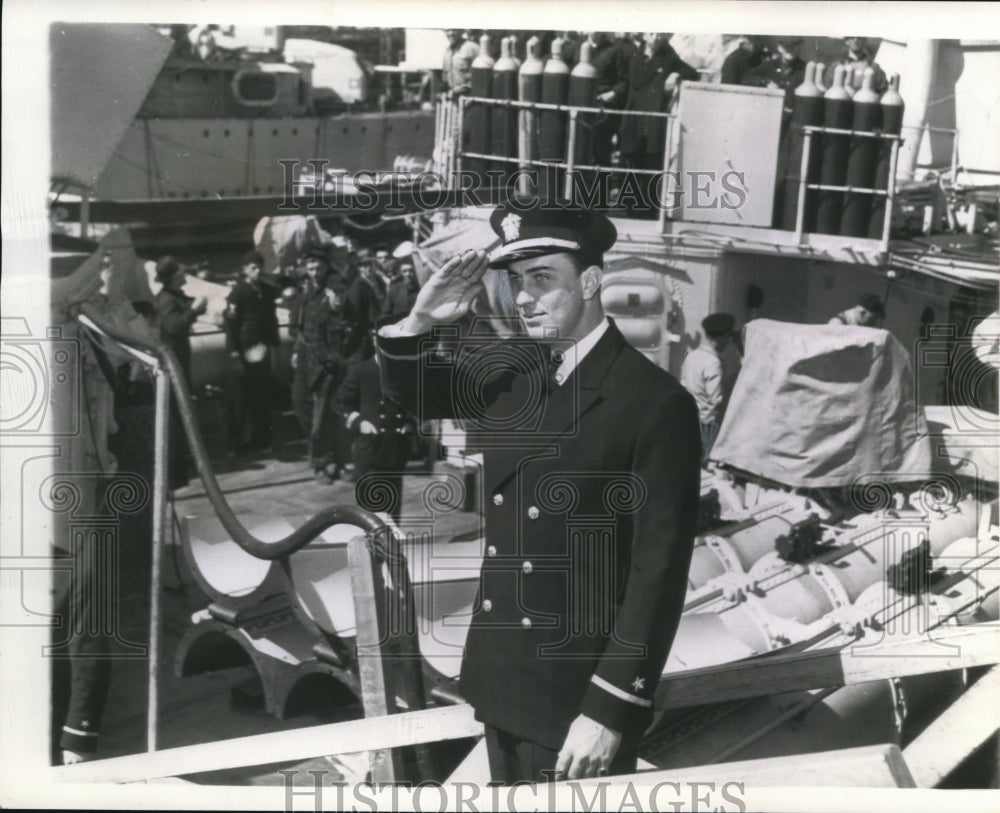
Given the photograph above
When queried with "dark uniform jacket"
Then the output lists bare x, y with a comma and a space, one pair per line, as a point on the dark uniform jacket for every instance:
175, 316
611, 61
360, 398
741, 67
251, 316
320, 338
646, 79
591, 494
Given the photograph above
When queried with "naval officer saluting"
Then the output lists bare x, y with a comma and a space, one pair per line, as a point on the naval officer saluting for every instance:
591, 470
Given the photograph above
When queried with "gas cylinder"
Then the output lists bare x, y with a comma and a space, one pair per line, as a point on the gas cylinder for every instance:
892, 123
807, 110
529, 90
838, 112
820, 73
862, 160
503, 121
476, 125
850, 79
582, 90
552, 123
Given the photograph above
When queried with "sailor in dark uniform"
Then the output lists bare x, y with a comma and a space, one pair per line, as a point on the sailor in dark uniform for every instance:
252, 339
383, 433
176, 313
591, 474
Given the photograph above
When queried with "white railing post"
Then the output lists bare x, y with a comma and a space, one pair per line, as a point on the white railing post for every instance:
160, 519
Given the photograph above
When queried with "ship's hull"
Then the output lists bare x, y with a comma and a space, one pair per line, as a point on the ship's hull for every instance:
228, 158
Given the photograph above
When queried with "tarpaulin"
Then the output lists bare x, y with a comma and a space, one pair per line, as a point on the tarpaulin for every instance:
823, 405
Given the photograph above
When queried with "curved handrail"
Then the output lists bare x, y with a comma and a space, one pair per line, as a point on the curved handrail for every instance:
383, 542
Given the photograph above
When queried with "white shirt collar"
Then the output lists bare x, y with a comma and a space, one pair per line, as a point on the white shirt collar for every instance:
577, 351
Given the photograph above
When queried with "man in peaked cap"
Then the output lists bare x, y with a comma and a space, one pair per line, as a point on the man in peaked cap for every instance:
570, 630
176, 313
252, 339
702, 376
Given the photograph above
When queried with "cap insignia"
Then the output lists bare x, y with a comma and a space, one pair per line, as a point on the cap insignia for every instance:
511, 226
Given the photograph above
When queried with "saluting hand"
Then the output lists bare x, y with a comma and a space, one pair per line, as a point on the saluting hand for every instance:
588, 749
448, 293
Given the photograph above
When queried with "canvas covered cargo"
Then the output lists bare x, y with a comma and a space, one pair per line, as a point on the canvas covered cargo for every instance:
822, 406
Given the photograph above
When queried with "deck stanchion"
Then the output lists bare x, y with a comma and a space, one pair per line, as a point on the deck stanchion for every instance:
162, 432
373, 688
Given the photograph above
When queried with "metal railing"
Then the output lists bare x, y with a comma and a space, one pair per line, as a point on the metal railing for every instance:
382, 543
809, 134
449, 154
450, 121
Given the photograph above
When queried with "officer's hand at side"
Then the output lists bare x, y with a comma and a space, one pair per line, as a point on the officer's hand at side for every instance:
448, 293
607, 96
588, 750
367, 428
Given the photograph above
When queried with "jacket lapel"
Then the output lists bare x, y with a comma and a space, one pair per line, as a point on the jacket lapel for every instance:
582, 390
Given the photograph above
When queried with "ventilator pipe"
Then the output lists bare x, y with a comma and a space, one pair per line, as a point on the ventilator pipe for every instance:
259, 548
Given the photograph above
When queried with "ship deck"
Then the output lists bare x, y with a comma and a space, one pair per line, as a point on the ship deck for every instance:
229, 703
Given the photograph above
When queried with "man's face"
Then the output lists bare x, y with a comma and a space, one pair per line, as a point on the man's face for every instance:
334, 289
864, 317
454, 35
206, 47
652, 39
106, 271
315, 270
251, 271
176, 282
550, 295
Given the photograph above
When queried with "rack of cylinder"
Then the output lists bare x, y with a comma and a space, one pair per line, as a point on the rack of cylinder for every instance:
535, 126
840, 148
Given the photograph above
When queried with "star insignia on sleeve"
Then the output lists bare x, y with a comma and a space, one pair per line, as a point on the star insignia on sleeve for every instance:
639, 684
511, 226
